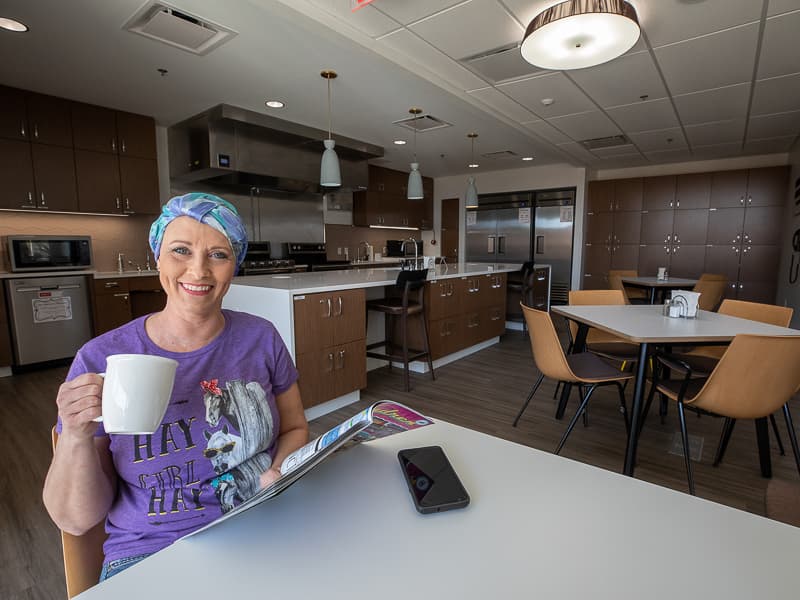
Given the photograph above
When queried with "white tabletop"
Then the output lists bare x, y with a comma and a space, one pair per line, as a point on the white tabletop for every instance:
670, 282
538, 526
640, 324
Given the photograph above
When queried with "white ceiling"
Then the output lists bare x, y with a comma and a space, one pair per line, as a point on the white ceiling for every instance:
708, 78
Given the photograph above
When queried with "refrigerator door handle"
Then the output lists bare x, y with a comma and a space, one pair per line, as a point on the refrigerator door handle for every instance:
501, 244
491, 244
539, 244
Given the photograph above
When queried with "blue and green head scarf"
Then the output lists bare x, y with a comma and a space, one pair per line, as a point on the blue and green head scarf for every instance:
205, 208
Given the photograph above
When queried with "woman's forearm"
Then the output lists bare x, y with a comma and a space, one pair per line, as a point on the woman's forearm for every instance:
288, 442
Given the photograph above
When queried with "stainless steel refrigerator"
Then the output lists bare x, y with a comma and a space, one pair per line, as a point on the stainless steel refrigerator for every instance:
514, 228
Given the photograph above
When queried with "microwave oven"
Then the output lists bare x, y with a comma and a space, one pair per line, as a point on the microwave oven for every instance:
32, 253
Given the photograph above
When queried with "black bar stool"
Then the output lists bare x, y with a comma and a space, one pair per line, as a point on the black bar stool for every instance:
406, 299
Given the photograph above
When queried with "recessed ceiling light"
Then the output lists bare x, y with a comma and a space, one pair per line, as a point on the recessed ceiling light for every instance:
473, 166
12, 25
547, 101
274, 104
527, 158
400, 142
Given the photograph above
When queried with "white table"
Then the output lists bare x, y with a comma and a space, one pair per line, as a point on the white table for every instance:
646, 325
538, 526
654, 283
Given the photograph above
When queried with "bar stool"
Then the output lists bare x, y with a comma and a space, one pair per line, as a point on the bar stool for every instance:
406, 299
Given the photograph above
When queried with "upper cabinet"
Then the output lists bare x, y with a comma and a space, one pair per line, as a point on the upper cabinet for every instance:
31, 117
384, 203
113, 132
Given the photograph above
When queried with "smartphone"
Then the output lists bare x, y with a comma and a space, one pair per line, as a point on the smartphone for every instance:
433, 483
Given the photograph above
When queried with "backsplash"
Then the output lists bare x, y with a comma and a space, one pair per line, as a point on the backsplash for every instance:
350, 237
110, 235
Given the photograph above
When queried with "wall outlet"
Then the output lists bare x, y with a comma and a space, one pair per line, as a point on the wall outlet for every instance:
339, 250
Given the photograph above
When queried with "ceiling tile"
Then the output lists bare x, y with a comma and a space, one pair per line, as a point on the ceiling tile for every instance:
777, 7
780, 34
644, 116
368, 20
665, 156
470, 28
568, 98
669, 21
717, 151
769, 146
502, 103
770, 126
664, 140
547, 131
621, 81
526, 10
618, 162
430, 58
720, 132
779, 94
502, 66
713, 105
577, 151
408, 11
586, 126
695, 65
623, 150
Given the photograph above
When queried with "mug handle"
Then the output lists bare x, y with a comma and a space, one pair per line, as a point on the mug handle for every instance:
100, 418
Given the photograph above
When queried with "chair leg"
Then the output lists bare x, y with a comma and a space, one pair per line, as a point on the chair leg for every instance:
558, 389
727, 430
427, 345
575, 417
585, 409
687, 459
404, 326
650, 396
528, 400
792, 435
777, 434
623, 407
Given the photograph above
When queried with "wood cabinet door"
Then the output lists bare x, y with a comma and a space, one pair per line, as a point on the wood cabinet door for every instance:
687, 260
768, 186
450, 228
495, 323
98, 182
596, 263
657, 226
315, 369
443, 298
600, 196
16, 173
659, 193
136, 135
111, 311
724, 225
438, 333
313, 322
759, 263
94, 128
628, 194
728, 189
693, 191
6, 356
627, 227
690, 226
653, 256
471, 300
146, 296
757, 291
13, 116
763, 224
50, 120
723, 259
139, 185
54, 173
599, 227
349, 368
473, 321
625, 256
349, 315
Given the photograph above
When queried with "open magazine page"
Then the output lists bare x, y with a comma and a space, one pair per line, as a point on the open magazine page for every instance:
379, 420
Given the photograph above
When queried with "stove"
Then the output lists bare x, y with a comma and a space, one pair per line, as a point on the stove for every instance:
313, 254
257, 261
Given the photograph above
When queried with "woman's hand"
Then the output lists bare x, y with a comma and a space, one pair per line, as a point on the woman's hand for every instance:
79, 402
269, 476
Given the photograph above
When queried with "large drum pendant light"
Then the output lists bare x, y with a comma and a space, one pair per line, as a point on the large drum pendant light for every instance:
580, 33
415, 177
472, 190
329, 173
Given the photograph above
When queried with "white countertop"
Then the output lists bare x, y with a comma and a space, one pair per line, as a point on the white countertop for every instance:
93, 273
328, 281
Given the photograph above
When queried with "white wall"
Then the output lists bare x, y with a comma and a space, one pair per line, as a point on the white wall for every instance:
529, 178
789, 274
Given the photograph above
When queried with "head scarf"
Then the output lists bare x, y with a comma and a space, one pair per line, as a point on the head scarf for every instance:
208, 209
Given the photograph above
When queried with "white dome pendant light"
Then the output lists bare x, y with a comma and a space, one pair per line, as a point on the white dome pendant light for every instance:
329, 173
580, 33
472, 190
414, 191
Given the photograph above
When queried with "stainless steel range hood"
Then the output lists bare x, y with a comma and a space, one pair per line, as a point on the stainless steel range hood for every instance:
231, 145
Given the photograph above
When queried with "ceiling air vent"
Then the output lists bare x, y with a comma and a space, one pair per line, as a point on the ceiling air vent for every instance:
500, 64
164, 23
605, 142
500, 154
422, 123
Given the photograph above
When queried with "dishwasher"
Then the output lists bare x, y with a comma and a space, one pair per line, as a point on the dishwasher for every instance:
50, 317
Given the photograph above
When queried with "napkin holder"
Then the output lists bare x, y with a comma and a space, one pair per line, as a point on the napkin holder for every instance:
684, 303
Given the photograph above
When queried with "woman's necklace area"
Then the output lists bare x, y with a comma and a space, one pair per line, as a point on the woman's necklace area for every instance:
186, 340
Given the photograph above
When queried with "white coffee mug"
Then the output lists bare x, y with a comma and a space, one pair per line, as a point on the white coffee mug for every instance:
136, 392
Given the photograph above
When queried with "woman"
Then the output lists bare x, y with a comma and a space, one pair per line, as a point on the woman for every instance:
234, 415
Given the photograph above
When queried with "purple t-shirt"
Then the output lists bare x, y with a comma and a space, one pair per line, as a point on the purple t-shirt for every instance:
218, 435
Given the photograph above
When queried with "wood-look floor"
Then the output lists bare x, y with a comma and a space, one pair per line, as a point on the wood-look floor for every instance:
482, 392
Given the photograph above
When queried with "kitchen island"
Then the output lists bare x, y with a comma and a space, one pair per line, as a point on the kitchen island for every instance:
321, 317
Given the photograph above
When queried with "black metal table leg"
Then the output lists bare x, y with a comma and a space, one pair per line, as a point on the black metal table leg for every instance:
762, 435
653, 295
636, 411
578, 346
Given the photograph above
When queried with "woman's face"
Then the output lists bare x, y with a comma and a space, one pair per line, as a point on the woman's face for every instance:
196, 266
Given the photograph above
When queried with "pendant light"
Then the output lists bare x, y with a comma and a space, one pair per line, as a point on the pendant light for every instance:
580, 33
329, 173
472, 190
415, 177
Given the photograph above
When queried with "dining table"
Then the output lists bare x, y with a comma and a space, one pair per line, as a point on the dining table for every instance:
654, 284
647, 326
537, 526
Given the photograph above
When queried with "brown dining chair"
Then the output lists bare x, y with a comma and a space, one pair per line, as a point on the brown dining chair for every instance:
712, 289
585, 369
600, 342
637, 295
738, 387
83, 554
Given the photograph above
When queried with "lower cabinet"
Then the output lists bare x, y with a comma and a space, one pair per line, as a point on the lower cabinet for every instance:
117, 301
332, 372
6, 356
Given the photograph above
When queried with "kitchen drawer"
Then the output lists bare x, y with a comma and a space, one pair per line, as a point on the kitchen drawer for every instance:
111, 286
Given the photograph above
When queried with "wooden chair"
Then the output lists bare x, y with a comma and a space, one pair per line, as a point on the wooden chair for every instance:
756, 376
712, 290
638, 295
519, 286
83, 554
585, 369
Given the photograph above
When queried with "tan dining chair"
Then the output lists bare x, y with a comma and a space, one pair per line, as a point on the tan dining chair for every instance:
630, 293
738, 387
600, 342
83, 554
711, 288
586, 370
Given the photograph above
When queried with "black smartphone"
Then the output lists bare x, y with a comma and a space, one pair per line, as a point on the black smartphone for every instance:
431, 479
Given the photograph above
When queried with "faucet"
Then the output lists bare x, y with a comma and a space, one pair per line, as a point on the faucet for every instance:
135, 264
147, 266
416, 250
367, 251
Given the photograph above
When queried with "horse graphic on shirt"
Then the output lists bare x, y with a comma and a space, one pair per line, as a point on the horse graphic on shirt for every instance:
245, 407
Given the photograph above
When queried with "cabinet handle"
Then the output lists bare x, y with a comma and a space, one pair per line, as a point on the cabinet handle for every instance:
339, 302
496, 317
749, 199
117, 202
341, 359
44, 204
111, 284
450, 289
127, 203
330, 362
442, 290
36, 131
22, 130
670, 203
327, 301
678, 203
122, 146
30, 203
113, 144
123, 296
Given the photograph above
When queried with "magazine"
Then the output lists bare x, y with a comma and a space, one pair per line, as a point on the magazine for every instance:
382, 419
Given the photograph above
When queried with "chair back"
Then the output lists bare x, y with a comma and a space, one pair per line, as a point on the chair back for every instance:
412, 281
545, 345
83, 554
756, 311
756, 376
595, 298
527, 273
615, 281
712, 288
